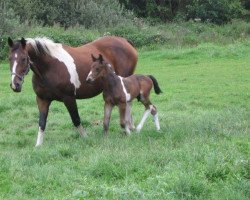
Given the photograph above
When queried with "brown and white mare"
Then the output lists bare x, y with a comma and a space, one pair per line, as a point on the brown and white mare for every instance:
120, 91
60, 71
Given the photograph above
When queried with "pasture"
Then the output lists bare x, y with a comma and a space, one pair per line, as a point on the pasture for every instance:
201, 152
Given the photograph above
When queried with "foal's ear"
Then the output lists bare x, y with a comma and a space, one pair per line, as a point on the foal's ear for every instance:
10, 42
93, 58
100, 58
23, 42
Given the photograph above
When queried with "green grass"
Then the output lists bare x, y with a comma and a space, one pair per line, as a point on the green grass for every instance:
202, 151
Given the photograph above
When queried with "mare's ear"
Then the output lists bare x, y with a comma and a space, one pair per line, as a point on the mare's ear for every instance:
10, 42
23, 42
93, 58
100, 58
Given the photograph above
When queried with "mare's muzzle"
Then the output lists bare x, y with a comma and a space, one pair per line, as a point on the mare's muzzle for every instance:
16, 87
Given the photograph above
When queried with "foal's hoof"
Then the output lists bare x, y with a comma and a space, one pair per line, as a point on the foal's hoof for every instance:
138, 130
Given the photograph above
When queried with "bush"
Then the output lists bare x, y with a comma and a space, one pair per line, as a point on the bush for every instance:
88, 13
216, 11
72, 36
9, 25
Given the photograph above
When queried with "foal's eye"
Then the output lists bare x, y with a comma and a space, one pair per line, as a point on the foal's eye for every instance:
23, 60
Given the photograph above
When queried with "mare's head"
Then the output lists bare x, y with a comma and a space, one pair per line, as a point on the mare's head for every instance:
98, 69
19, 63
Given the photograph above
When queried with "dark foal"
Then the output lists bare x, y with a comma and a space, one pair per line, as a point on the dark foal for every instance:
121, 91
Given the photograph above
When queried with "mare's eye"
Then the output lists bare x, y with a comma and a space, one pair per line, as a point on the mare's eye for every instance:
97, 69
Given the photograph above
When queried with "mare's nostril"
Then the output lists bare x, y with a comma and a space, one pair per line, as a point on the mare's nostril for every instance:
18, 86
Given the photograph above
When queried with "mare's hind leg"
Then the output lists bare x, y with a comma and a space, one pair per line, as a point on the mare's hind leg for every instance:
71, 106
43, 106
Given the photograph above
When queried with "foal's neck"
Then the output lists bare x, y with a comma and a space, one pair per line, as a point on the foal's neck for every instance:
110, 80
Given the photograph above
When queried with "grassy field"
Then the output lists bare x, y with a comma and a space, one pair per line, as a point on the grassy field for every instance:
202, 151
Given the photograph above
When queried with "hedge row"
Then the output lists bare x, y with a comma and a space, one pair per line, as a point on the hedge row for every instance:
168, 35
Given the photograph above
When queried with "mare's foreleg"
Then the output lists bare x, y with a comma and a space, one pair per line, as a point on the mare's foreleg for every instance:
71, 106
43, 106
107, 113
124, 121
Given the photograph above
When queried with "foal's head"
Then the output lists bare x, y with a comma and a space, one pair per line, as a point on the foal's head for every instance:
19, 63
98, 69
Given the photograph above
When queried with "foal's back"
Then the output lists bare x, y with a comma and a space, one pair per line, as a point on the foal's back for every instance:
137, 84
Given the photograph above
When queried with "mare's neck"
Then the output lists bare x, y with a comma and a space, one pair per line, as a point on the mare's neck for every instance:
38, 61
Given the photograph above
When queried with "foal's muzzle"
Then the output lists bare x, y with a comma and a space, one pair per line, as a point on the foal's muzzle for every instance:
89, 80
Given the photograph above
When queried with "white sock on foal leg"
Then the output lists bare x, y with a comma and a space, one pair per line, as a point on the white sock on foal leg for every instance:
145, 116
81, 131
157, 124
40, 135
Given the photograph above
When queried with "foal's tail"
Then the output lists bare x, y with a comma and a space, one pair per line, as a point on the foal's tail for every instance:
156, 85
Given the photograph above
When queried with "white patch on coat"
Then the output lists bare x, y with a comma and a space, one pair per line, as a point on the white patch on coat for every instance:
57, 51
128, 96
14, 72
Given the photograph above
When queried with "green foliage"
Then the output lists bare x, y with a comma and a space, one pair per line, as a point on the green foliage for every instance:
9, 24
216, 11
72, 36
142, 35
90, 14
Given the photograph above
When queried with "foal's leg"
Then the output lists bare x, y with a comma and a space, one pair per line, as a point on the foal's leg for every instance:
71, 106
153, 111
145, 116
107, 113
144, 98
43, 106
129, 116
123, 118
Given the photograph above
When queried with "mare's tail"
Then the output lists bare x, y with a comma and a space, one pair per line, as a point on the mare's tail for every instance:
156, 85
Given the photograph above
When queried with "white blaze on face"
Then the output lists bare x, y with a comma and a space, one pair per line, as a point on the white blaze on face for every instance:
89, 75
124, 90
14, 72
